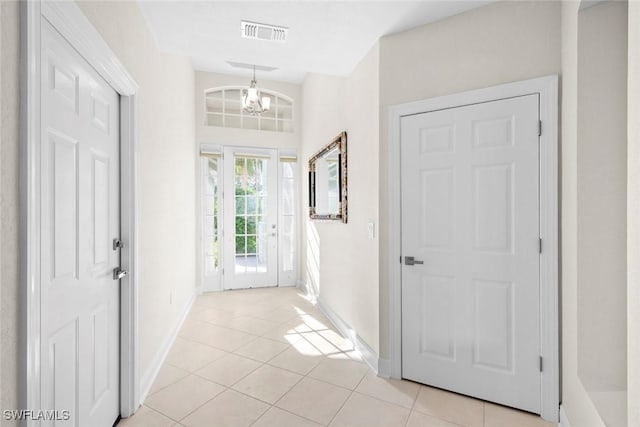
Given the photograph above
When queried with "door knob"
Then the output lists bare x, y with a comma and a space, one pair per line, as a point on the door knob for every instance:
409, 260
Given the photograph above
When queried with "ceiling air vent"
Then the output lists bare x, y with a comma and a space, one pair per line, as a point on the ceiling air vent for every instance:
253, 30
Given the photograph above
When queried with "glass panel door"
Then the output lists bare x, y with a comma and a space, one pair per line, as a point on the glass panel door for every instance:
251, 208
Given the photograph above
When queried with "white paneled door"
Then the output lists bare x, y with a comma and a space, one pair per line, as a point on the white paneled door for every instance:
250, 202
470, 220
79, 354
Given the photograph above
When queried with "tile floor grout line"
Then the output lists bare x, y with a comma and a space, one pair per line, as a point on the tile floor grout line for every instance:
413, 405
346, 400
195, 409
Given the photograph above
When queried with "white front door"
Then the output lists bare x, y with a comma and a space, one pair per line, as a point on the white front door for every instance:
470, 216
79, 354
250, 202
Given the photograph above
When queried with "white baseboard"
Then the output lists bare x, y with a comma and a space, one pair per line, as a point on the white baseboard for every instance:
384, 368
149, 377
369, 356
564, 421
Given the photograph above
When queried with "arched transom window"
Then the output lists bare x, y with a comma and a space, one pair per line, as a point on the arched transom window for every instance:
223, 108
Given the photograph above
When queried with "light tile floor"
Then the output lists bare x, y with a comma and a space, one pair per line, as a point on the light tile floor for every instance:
269, 358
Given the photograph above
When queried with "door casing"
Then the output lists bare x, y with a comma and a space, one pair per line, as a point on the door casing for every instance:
547, 89
68, 20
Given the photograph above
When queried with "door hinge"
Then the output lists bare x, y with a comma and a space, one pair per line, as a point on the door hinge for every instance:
540, 245
400, 259
539, 127
541, 363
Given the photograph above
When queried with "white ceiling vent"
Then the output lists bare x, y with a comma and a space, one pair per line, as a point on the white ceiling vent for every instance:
253, 30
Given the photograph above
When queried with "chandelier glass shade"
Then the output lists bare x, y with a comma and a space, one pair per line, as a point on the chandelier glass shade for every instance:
252, 101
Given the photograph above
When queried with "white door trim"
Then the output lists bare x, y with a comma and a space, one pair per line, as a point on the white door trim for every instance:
547, 88
68, 19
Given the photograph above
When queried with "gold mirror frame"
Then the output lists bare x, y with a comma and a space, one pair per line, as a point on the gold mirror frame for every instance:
340, 142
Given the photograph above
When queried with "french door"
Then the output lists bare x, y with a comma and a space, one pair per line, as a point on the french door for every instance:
250, 204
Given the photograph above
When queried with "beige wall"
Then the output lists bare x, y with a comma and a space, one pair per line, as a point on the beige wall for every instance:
167, 170
633, 218
342, 262
575, 401
499, 43
9, 243
602, 196
584, 401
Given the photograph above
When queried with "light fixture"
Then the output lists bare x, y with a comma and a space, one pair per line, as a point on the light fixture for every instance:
252, 102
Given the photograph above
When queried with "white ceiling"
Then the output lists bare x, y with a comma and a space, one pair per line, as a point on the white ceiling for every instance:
327, 37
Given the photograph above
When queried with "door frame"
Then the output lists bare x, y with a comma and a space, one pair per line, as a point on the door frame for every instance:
68, 19
547, 89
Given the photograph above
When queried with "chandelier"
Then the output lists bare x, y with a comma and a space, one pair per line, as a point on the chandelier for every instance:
252, 102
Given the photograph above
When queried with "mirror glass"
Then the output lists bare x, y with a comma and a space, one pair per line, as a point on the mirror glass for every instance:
327, 181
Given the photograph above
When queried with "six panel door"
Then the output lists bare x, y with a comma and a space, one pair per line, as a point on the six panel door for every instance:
80, 205
470, 212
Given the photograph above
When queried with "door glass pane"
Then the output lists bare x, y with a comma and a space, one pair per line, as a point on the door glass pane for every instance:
251, 197
211, 216
287, 226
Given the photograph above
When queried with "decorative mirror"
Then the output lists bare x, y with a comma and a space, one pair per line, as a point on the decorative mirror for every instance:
328, 181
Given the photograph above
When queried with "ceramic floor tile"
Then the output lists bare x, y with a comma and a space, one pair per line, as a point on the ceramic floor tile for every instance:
361, 410
285, 333
179, 399
450, 407
300, 358
168, 374
229, 369
279, 315
317, 322
341, 372
320, 343
229, 409
337, 340
218, 336
253, 325
191, 327
213, 315
275, 417
500, 416
267, 383
146, 417
262, 349
418, 419
191, 355
401, 393
315, 400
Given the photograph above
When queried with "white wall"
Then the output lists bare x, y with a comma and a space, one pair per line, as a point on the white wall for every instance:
633, 217
167, 170
9, 198
342, 263
602, 196
499, 43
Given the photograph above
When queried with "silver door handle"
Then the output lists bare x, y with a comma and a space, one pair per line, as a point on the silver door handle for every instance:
409, 260
119, 273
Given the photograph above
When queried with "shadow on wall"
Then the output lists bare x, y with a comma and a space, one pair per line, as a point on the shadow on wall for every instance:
313, 260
